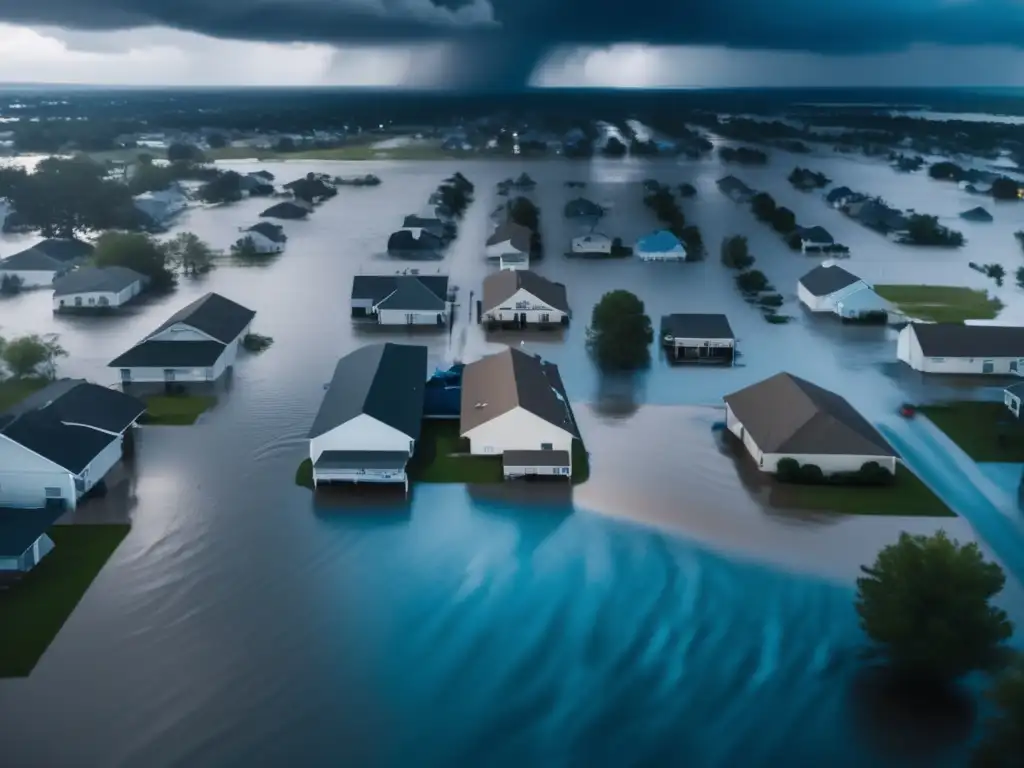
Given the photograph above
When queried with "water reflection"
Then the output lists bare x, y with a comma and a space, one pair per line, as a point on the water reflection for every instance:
618, 395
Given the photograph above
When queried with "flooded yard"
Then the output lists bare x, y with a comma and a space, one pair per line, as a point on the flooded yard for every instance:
240, 624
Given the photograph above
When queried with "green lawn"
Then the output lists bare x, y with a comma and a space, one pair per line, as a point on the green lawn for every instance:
33, 611
13, 391
975, 427
433, 463
941, 303
907, 497
177, 410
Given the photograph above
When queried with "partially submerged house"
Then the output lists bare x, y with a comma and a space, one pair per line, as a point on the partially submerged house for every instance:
786, 417
36, 267
976, 214
524, 298
592, 244
582, 208
514, 406
830, 288
289, 209
96, 289
433, 225
265, 237
401, 299
735, 189
24, 541
660, 246
371, 415
58, 443
1012, 397
956, 348
814, 238
509, 239
841, 196
161, 206
196, 344
877, 216
413, 242
698, 338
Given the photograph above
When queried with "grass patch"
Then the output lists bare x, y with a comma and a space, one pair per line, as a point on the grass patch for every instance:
941, 303
33, 611
433, 461
176, 410
13, 391
304, 475
978, 428
907, 497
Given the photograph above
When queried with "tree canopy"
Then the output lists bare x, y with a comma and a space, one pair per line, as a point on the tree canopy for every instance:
736, 253
926, 604
620, 332
524, 212
179, 152
225, 187
1002, 744
33, 355
136, 251
186, 252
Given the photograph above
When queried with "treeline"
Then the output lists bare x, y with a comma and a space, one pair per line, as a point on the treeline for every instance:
665, 207
1003, 187
752, 283
743, 155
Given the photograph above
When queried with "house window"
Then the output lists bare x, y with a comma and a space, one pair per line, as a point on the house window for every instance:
78, 301
53, 493
62, 302
104, 301
126, 374
546, 446
92, 300
987, 366
545, 318
168, 374
1014, 403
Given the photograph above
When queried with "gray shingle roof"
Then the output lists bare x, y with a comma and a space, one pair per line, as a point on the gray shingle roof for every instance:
502, 285
384, 381
70, 447
411, 294
65, 251
32, 261
362, 460
89, 279
696, 326
514, 234
817, 235
271, 231
77, 401
959, 340
826, 279
214, 315
535, 459
21, 528
376, 288
499, 383
170, 354
785, 414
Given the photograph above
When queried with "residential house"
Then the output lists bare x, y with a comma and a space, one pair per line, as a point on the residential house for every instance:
370, 418
592, 244
698, 338
830, 288
256, 184
814, 238
196, 344
1012, 397
432, 224
877, 216
289, 209
976, 214
841, 196
660, 246
524, 298
96, 288
401, 299
786, 417
24, 541
511, 402
265, 237
509, 238
735, 189
406, 242
36, 267
962, 349
162, 205
581, 208
57, 444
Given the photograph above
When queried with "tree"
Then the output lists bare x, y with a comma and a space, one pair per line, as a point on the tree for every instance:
179, 152
925, 603
753, 281
783, 220
245, 248
1006, 189
189, 254
136, 251
763, 206
11, 285
736, 253
522, 211
694, 242
614, 148
947, 171
33, 355
1002, 745
620, 332
285, 144
1020, 277
225, 187
217, 140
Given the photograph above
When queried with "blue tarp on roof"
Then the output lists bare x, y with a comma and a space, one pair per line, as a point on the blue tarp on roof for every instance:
658, 242
20, 528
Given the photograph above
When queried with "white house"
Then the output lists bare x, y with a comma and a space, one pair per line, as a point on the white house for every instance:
196, 344
815, 239
402, 299
514, 261
830, 288
525, 298
36, 267
513, 401
162, 205
786, 417
260, 243
660, 246
369, 421
592, 244
24, 541
962, 349
698, 338
96, 288
509, 237
59, 442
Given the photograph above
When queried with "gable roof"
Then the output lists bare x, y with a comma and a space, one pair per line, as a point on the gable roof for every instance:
63, 250
214, 315
827, 278
286, 210
659, 242
170, 354
89, 279
696, 326
70, 447
514, 234
959, 340
375, 288
787, 414
21, 528
384, 381
502, 285
581, 206
410, 293
32, 261
502, 382
77, 401
269, 230
732, 184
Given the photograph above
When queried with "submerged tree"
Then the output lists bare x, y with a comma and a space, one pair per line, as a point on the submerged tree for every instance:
189, 254
620, 332
136, 251
33, 355
1002, 745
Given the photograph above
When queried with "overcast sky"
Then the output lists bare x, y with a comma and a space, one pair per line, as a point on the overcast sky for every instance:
163, 56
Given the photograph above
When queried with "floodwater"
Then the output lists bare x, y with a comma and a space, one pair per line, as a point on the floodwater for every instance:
659, 616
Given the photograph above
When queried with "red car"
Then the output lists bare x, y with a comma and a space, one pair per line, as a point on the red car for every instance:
907, 411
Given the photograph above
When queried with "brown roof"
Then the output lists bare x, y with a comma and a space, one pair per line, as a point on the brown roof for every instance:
786, 414
516, 234
499, 383
502, 285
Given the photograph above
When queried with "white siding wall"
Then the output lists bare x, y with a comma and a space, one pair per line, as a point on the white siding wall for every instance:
363, 433
24, 476
713, 343
676, 254
908, 349
95, 298
400, 317
827, 303
517, 430
102, 464
150, 375
533, 308
31, 278
498, 249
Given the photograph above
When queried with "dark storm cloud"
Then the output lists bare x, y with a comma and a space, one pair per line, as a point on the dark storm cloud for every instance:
522, 30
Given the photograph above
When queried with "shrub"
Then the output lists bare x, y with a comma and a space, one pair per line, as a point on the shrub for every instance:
771, 300
735, 253
811, 474
753, 281
787, 470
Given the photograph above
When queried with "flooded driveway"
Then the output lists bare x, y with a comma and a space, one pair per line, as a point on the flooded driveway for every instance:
647, 620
